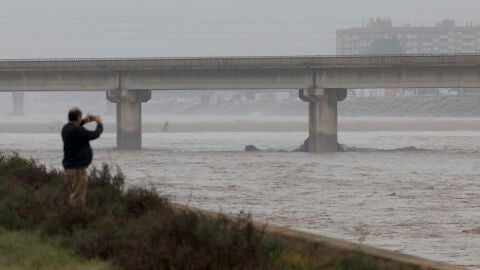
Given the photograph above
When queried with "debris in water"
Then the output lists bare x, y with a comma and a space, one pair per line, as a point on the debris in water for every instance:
251, 148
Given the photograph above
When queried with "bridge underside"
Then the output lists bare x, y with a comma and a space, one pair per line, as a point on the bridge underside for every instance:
322, 117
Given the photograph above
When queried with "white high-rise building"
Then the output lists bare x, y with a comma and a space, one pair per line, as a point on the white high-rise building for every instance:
444, 37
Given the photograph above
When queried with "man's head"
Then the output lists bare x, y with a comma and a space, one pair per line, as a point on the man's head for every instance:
75, 115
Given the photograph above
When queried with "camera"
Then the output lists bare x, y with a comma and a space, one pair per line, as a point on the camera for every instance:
91, 117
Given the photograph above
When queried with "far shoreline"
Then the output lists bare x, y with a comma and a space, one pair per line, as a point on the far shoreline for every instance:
187, 124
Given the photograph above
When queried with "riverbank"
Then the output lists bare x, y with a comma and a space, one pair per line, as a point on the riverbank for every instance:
186, 124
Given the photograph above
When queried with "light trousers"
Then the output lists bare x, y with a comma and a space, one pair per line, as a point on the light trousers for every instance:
77, 182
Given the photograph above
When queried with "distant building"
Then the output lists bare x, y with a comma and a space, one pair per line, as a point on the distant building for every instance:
378, 35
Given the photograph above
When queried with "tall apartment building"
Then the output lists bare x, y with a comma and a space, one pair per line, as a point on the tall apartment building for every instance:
444, 37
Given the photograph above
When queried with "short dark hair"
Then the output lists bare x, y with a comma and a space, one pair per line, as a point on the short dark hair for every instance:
74, 114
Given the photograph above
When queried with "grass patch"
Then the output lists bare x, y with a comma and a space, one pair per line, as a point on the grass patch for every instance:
24, 251
134, 228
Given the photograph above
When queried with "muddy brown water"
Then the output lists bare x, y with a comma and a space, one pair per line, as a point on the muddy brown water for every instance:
417, 192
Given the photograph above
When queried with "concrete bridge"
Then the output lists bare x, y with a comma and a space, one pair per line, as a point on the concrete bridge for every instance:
322, 81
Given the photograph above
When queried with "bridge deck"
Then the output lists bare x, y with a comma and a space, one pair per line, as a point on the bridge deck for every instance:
302, 72
209, 63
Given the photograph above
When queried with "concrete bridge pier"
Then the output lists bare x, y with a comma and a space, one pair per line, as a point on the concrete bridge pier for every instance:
323, 118
18, 98
129, 116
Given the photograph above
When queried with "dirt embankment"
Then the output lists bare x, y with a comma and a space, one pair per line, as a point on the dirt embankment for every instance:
346, 124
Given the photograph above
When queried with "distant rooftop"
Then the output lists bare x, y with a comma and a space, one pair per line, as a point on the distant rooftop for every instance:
379, 24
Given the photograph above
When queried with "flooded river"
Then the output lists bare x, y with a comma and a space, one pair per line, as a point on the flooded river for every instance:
417, 192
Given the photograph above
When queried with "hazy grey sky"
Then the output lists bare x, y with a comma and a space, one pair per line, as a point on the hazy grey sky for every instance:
144, 28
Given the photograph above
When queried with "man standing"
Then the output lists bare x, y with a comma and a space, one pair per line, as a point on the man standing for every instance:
77, 153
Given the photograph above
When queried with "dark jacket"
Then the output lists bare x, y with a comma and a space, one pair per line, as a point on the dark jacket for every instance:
77, 153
